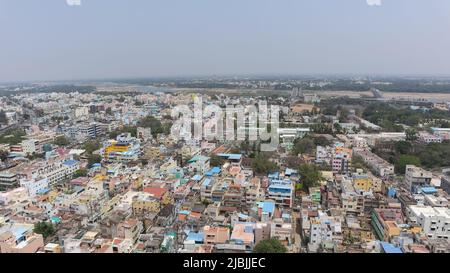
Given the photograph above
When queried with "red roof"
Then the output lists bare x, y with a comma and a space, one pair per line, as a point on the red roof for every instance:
157, 192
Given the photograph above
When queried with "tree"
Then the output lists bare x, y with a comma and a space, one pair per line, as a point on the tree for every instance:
90, 146
44, 228
303, 146
358, 162
321, 141
411, 134
403, 147
80, 173
3, 155
12, 136
125, 129
152, 122
262, 165
108, 111
270, 246
216, 161
61, 141
400, 164
3, 118
338, 128
92, 159
310, 176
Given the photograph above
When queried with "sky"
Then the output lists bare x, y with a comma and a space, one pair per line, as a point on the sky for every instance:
51, 40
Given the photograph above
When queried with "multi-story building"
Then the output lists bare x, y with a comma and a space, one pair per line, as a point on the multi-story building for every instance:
445, 184
427, 138
378, 165
35, 187
125, 149
386, 223
325, 232
323, 155
20, 238
243, 234
416, 177
145, 203
341, 161
8, 181
435, 221
215, 235
281, 191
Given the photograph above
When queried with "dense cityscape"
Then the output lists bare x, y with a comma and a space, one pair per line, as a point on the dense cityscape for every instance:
224, 136
103, 168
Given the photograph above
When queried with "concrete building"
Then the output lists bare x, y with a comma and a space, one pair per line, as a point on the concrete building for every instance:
435, 221
416, 177
20, 238
281, 191
215, 235
8, 181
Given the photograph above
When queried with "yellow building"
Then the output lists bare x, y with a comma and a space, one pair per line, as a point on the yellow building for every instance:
52, 196
115, 147
363, 184
144, 202
362, 181
153, 152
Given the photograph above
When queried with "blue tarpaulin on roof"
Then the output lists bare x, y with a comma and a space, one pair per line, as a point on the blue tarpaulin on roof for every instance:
390, 248
429, 190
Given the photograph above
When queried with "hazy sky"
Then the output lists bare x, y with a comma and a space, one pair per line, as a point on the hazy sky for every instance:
50, 40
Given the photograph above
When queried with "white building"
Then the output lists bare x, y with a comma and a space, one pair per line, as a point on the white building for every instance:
29, 146
416, 177
323, 155
34, 187
427, 138
435, 221
324, 230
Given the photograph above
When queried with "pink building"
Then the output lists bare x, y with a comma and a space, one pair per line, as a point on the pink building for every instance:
216, 235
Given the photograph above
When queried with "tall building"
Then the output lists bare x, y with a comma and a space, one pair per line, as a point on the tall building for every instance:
8, 181
416, 177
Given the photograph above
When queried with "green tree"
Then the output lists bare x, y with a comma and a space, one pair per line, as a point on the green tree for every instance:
338, 128
403, 147
61, 141
304, 146
80, 173
400, 164
3, 119
153, 123
3, 155
270, 246
125, 129
44, 228
92, 159
12, 136
262, 165
310, 175
91, 145
216, 161
411, 134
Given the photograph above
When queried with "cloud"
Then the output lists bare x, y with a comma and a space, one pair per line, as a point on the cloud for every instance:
374, 2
